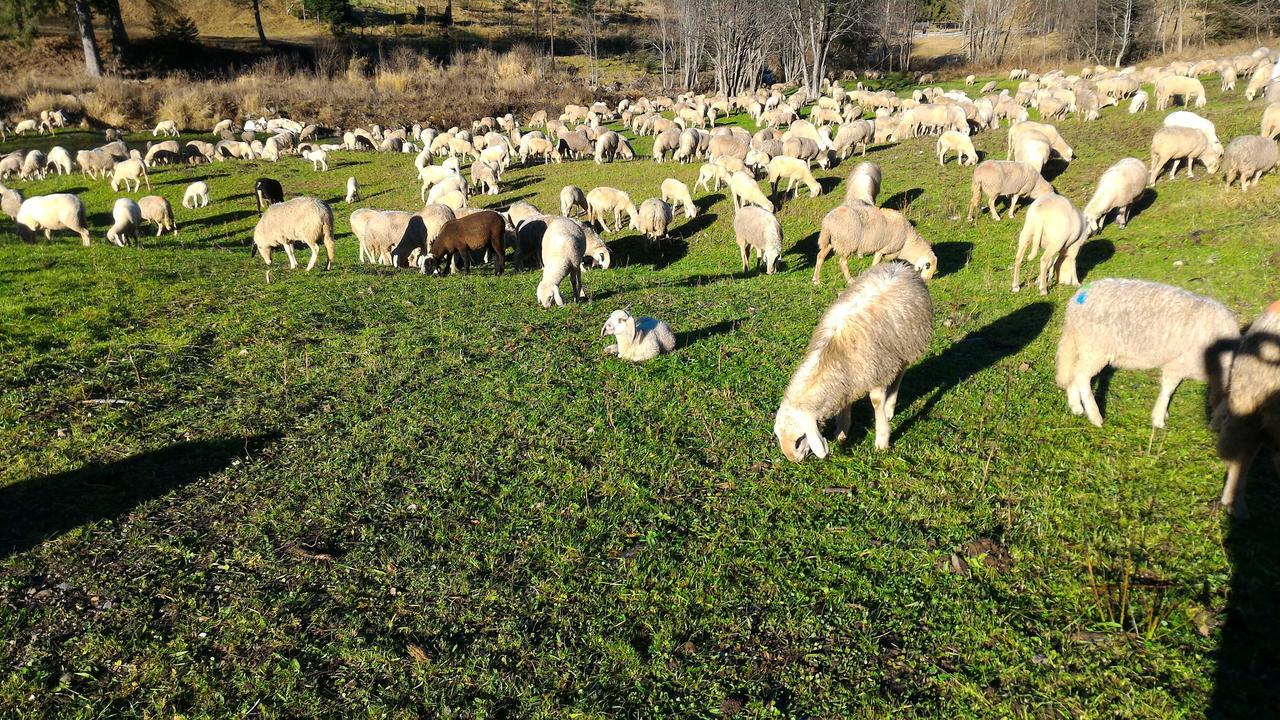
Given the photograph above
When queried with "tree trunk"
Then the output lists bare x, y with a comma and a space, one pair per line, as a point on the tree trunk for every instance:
84, 21
115, 22
257, 20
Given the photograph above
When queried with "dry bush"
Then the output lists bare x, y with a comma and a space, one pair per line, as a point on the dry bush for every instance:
190, 107
111, 104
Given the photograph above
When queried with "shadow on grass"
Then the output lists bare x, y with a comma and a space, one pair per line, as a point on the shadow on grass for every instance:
685, 339
1054, 167
34, 510
228, 217
952, 256
1092, 255
705, 202
901, 200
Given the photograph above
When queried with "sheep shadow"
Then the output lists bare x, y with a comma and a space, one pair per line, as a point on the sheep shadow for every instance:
694, 225
805, 250
1092, 255
829, 184
700, 280
691, 337
901, 200
227, 217
952, 256
34, 510
638, 249
1053, 168
705, 202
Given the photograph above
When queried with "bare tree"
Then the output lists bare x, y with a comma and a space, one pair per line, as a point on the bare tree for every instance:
588, 39
987, 25
257, 21
740, 35
84, 23
115, 23
663, 41
814, 25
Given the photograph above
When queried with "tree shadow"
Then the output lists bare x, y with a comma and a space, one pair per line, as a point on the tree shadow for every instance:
952, 256
34, 510
685, 339
899, 201
1092, 255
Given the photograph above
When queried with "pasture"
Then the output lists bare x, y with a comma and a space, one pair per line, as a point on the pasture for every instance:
373, 492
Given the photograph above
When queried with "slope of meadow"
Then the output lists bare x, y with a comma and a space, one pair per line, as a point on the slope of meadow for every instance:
368, 491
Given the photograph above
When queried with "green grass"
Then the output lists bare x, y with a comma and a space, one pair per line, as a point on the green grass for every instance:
370, 492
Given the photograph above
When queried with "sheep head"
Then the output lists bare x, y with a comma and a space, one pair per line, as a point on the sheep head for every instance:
620, 324
798, 434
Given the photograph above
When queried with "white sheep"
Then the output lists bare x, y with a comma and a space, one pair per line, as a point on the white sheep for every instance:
484, 176
1033, 149
1249, 411
60, 211
860, 229
759, 230
1142, 325
864, 342
1054, 224
709, 173
59, 159
1181, 144
302, 219
863, 185
602, 201
638, 339
654, 218
10, 201
1248, 158
959, 143
319, 159
353, 190
34, 166
1139, 102
126, 171
1188, 119
156, 209
1118, 189
165, 127
795, 171
677, 194
564, 244
744, 190
1001, 178
433, 175
126, 218
196, 195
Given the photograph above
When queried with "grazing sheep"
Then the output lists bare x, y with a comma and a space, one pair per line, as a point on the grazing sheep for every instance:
11, 164
1188, 119
959, 143
864, 342
853, 135
758, 229
34, 166
433, 175
654, 218
1248, 158
989, 87
1171, 87
744, 190
379, 231
162, 153
863, 185
572, 198
795, 171
520, 211
165, 127
127, 171
677, 193
1249, 411
1000, 178
604, 200
94, 163
60, 211
1033, 149
638, 339
353, 190
458, 238
302, 219
10, 202
861, 229
126, 218
156, 209
564, 244
411, 247
1181, 144
1118, 189
25, 126
667, 142
484, 177
1142, 325
268, 192
59, 159
711, 172
1051, 135
196, 195
1054, 224
1257, 81
319, 159
1139, 102
1271, 121
597, 251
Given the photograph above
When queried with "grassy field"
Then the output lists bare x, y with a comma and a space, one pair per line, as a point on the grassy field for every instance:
370, 492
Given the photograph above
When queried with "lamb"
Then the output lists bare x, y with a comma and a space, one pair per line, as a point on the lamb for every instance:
126, 219
481, 230
156, 209
744, 190
319, 159
1170, 87
196, 195
709, 173
959, 143
60, 211
604, 200
484, 176
864, 342
863, 184
353, 190
758, 229
33, 165
654, 218
303, 219
59, 159
638, 339
998, 178
1271, 121
1142, 325
165, 127
1180, 144
1054, 224
795, 171
379, 231
268, 192
564, 244
126, 171
1248, 411
10, 201
1118, 189
1139, 102
572, 198
1248, 158
860, 229
677, 193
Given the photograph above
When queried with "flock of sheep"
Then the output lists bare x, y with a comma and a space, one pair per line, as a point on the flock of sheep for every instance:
881, 324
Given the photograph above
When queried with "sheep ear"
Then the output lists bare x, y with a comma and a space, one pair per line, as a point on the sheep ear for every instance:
817, 443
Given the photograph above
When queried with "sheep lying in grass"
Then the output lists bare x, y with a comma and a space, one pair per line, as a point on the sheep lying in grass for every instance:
638, 339
1054, 224
126, 218
1249, 411
572, 198
602, 201
959, 143
127, 171
861, 229
1248, 158
564, 244
302, 219
156, 209
759, 230
1142, 325
677, 194
654, 218
999, 178
1118, 189
864, 342
863, 185
1180, 144
60, 211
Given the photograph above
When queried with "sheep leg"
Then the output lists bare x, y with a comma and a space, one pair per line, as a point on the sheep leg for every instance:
991, 205
1013, 206
1160, 413
844, 268
882, 420
1190, 162
293, 260
974, 201
1067, 266
891, 395
823, 252
742, 249
843, 420
1083, 387
1023, 244
315, 253
1238, 443
611, 349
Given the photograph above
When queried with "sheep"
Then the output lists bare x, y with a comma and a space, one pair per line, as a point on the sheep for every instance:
165, 127
268, 192
795, 171
1054, 224
758, 229
33, 165
959, 143
998, 178
1170, 87
572, 198
379, 231
744, 190
1248, 158
157, 210
458, 238
11, 164
10, 202
1187, 119
1118, 189
677, 193
1247, 412
94, 163
126, 171
1033, 149
654, 218
856, 134
1271, 121
667, 142
303, 219
1179, 144
520, 211
319, 159
564, 244
1051, 135
162, 153
878, 326
638, 339
709, 173
25, 126
863, 184
604, 200
353, 191
1139, 102
59, 159
60, 211
196, 195
126, 218
1257, 81
860, 229
485, 177
433, 175
1142, 325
